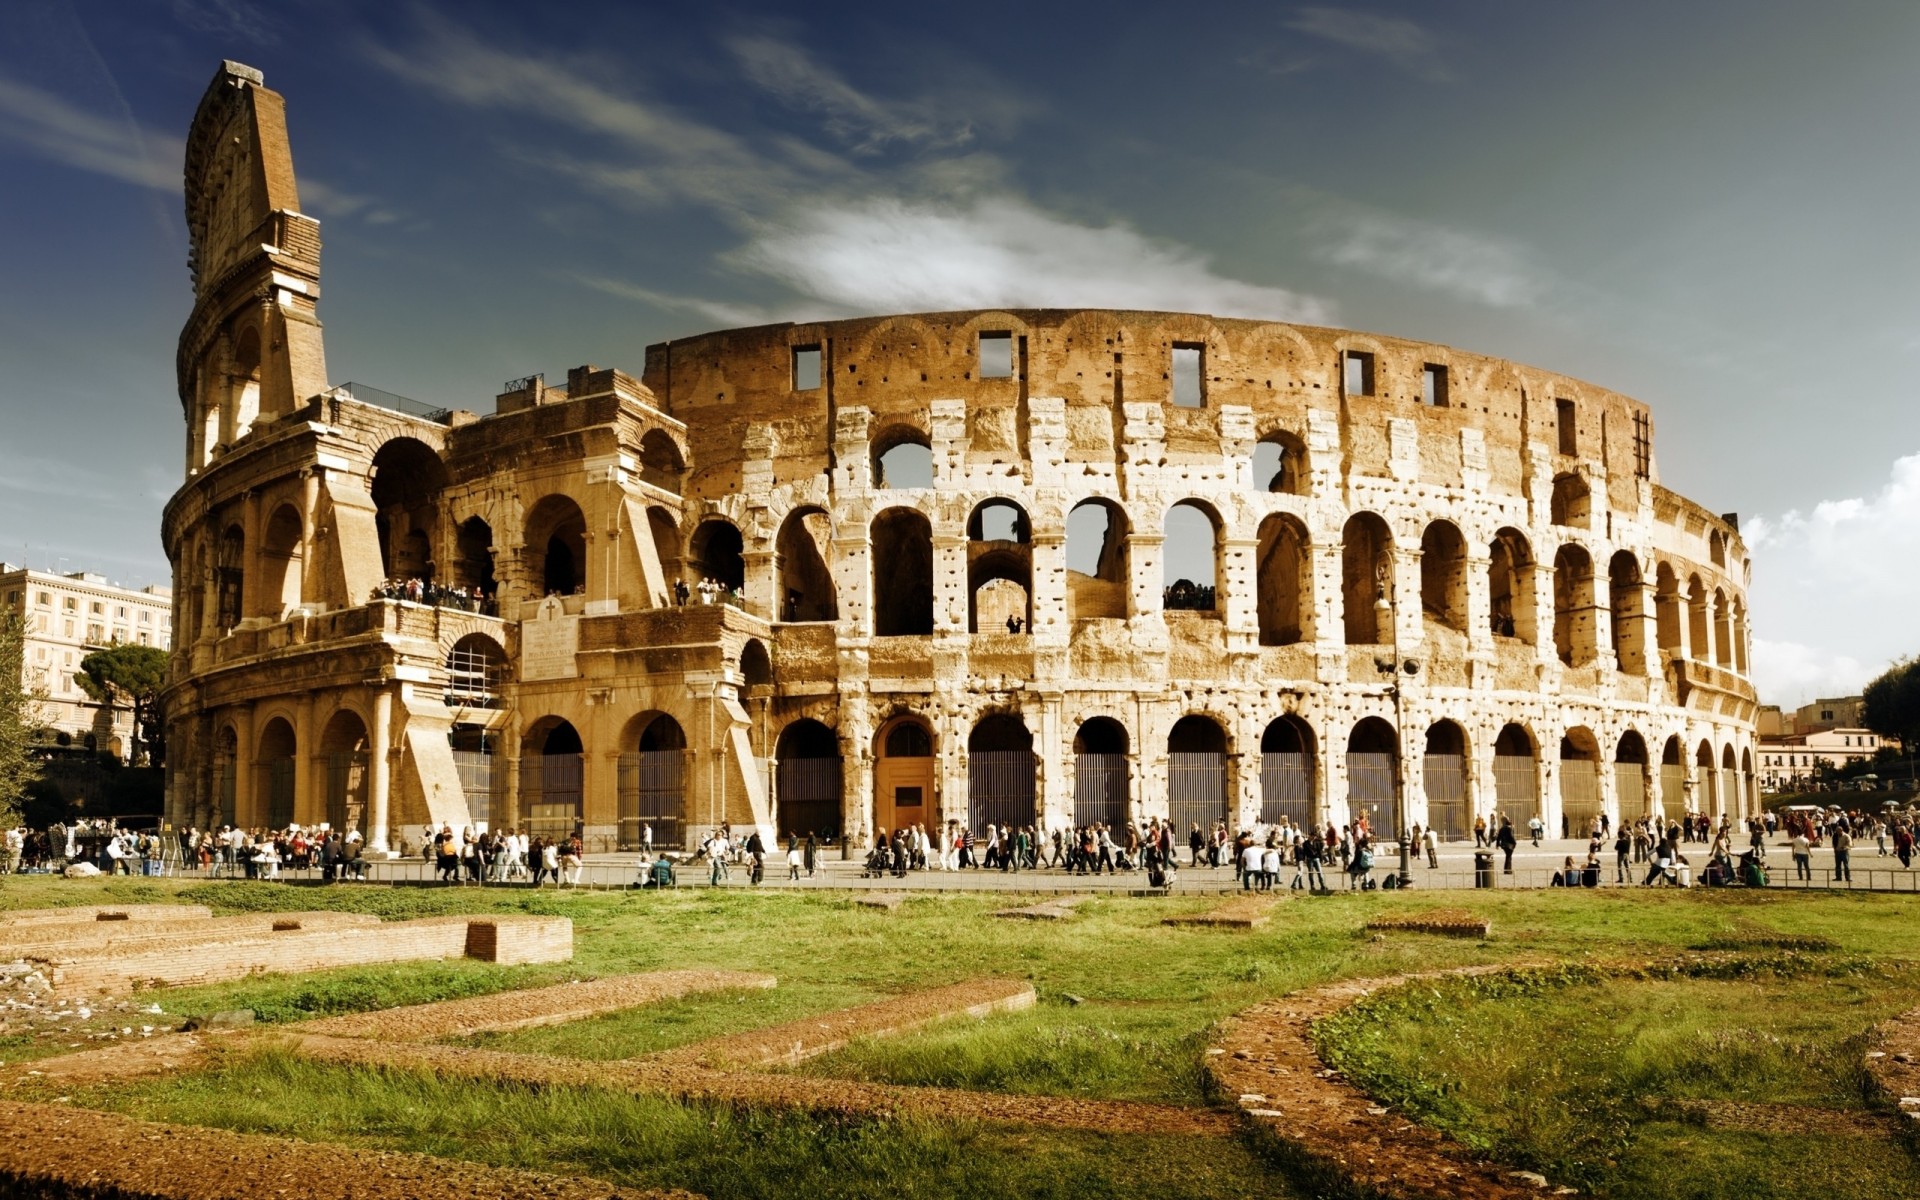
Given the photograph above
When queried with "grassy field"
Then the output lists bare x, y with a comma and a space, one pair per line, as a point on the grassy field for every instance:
1561, 1070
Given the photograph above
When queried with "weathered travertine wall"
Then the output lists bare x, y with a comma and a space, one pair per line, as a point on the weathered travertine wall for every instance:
1441, 584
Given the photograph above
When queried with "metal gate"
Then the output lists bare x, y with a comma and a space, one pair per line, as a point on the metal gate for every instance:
651, 794
1196, 790
550, 793
1673, 790
1100, 789
476, 780
1516, 790
279, 794
1579, 796
1000, 786
808, 794
1630, 789
1444, 777
347, 791
1286, 790
1373, 790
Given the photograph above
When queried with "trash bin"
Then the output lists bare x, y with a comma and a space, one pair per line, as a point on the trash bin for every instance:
1483, 868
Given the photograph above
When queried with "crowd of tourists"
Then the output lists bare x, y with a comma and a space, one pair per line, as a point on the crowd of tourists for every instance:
707, 591
424, 591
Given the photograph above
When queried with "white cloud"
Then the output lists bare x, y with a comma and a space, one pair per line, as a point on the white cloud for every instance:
1456, 262
726, 314
1834, 590
56, 129
895, 255
1406, 45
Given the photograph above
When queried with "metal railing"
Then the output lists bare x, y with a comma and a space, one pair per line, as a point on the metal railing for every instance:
362, 393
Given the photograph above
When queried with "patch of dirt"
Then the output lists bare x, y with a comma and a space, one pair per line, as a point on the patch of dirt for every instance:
1893, 1062
1740, 1117
167, 1054
53, 1150
1245, 912
1448, 922
1046, 910
531, 1007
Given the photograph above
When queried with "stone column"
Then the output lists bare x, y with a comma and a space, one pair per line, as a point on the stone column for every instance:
307, 763
243, 769
380, 758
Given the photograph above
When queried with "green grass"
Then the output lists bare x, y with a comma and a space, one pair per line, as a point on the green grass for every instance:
1547, 1070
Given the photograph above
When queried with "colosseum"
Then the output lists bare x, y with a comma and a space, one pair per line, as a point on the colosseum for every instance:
1026, 566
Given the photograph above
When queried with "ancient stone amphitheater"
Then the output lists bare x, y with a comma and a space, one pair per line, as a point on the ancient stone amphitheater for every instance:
1031, 566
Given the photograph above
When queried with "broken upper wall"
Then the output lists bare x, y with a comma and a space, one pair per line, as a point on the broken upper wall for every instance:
251, 351
1104, 363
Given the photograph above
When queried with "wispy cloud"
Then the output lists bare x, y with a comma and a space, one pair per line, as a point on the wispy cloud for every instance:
1833, 589
228, 18
1405, 45
726, 314
1457, 262
60, 131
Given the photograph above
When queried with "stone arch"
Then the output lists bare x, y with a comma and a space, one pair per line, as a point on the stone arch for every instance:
230, 578
1001, 771
1366, 579
1579, 781
1722, 630
1669, 608
242, 404
756, 667
1516, 775
224, 802
1627, 598
717, 551
552, 760
902, 574
999, 568
1287, 772
1699, 636
661, 462
1632, 795
1443, 771
1572, 503
664, 528
1673, 777
473, 557
902, 457
345, 746
276, 759
1373, 775
1280, 464
807, 591
556, 546
1573, 605
477, 671
1100, 776
1284, 584
1739, 635
903, 773
1191, 581
1510, 586
1199, 791
652, 782
1717, 549
1443, 575
807, 782
1098, 568
407, 480
1729, 781
282, 563
1706, 796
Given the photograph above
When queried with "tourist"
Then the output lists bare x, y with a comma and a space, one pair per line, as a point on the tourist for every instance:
1433, 849
1567, 876
1622, 849
1538, 828
716, 849
1842, 852
1507, 841
1250, 866
1269, 866
1479, 832
1802, 855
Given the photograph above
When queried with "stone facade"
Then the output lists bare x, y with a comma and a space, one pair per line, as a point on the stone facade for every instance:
1441, 584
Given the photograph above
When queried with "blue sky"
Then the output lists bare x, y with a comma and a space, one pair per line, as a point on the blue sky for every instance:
1707, 206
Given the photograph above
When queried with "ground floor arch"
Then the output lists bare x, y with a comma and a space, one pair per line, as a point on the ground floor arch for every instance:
1443, 773
1287, 772
1000, 773
903, 774
276, 768
1580, 808
344, 745
1197, 783
652, 783
807, 781
1673, 779
1373, 775
1516, 776
1633, 798
552, 770
1100, 774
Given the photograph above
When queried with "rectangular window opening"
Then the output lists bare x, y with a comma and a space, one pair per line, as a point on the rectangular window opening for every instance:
1569, 433
806, 368
1358, 372
1189, 390
996, 355
1433, 386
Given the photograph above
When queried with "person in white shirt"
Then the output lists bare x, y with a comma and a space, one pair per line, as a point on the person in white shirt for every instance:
717, 851
1252, 863
1270, 868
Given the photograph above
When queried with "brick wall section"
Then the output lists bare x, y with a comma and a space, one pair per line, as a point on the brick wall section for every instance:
190, 964
102, 912
61, 942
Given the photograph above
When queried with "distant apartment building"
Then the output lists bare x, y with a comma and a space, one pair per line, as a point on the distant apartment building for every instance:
67, 616
1798, 758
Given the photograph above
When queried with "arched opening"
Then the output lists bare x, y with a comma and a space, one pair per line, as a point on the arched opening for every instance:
1627, 599
661, 463
903, 791
1443, 575
1366, 580
1510, 586
473, 558
1573, 619
1699, 640
1749, 801
1001, 770
756, 668
281, 564
800, 564
1722, 630
243, 386
1197, 785
1673, 779
1444, 774
1098, 574
999, 569
1630, 792
1717, 549
902, 458
1516, 776
551, 772
556, 541
1373, 776
473, 758
1287, 773
1669, 609
1572, 501
1190, 558
226, 768
230, 578
807, 781
652, 783
1579, 783
1280, 465
477, 670
1739, 637
344, 743
902, 574
275, 754
407, 480
716, 552
664, 529
1284, 584
1706, 795
1100, 791
1729, 783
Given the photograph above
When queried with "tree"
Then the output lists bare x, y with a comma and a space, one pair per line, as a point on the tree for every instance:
19, 717
1892, 703
131, 674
